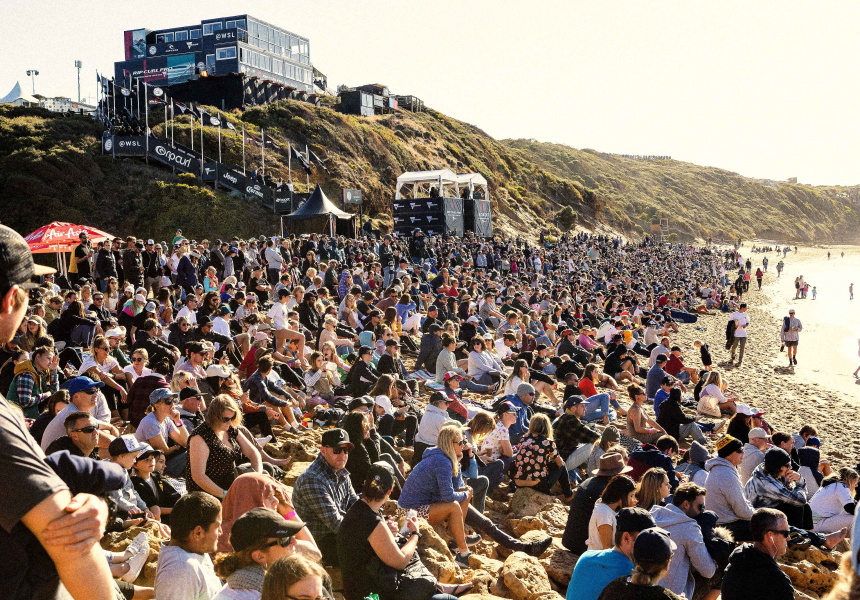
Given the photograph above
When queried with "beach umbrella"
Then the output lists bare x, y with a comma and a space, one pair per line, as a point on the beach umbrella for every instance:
59, 237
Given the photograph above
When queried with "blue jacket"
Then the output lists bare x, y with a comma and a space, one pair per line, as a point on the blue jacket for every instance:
186, 274
431, 481
519, 429
647, 457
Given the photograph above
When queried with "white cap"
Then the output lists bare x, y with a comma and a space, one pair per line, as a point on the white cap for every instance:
385, 403
472, 319
261, 335
757, 432
150, 306
140, 297
150, 242
115, 332
217, 370
744, 409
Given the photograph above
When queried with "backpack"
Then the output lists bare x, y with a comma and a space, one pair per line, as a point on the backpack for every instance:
786, 324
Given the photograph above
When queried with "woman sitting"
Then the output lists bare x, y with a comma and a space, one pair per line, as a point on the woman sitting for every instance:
639, 425
296, 578
654, 488
619, 493
522, 374
34, 381
255, 490
373, 558
392, 416
712, 402
538, 464
215, 449
359, 425
496, 445
484, 367
833, 505
811, 465
320, 381
137, 368
739, 425
481, 426
609, 441
259, 537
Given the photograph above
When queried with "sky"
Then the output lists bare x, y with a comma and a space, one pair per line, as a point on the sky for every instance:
765, 89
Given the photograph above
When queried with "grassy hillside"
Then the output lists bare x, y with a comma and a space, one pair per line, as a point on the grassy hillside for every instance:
51, 169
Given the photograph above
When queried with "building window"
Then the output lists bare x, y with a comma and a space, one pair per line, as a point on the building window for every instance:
181, 36
195, 34
159, 38
168, 37
210, 28
225, 53
229, 24
210, 64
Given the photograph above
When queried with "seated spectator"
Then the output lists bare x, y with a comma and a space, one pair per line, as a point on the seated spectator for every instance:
434, 418
190, 405
660, 455
83, 396
523, 401
266, 389
56, 402
140, 390
123, 451
393, 420
725, 490
692, 464
430, 347
537, 463
811, 464
362, 376
653, 489
34, 381
184, 568
652, 552
258, 538
484, 367
608, 442
754, 451
833, 505
150, 485
162, 424
675, 422
639, 425
596, 568
366, 452
295, 577
582, 506
137, 368
81, 439
774, 484
619, 493
752, 571
740, 424
496, 445
323, 493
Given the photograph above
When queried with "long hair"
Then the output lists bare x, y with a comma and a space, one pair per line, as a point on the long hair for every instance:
540, 425
286, 572
445, 442
216, 409
480, 425
518, 365
648, 494
383, 386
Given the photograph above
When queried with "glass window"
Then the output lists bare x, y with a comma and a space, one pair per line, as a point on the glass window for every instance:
210, 63
168, 37
241, 24
181, 36
230, 24
195, 34
159, 38
225, 53
210, 28
303, 47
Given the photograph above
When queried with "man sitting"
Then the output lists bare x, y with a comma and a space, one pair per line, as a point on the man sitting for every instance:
82, 436
754, 452
659, 455
752, 571
573, 439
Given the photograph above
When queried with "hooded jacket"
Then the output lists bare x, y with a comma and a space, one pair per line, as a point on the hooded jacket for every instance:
691, 551
753, 457
649, 457
432, 480
753, 574
726, 493
764, 490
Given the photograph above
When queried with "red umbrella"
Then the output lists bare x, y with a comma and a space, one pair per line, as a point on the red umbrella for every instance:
62, 237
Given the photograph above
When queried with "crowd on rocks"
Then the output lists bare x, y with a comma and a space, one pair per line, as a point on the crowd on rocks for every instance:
269, 407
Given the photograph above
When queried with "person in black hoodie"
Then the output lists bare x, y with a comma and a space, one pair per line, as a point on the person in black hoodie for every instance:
149, 485
676, 423
362, 376
369, 450
752, 571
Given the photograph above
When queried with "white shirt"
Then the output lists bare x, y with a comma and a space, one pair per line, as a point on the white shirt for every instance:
183, 575
90, 362
830, 500
189, 314
219, 325
130, 369
502, 350
278, 314
743, 320
602, 515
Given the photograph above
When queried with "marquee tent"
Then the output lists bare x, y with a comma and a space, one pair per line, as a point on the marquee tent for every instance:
422, 181
320, 215
473, 180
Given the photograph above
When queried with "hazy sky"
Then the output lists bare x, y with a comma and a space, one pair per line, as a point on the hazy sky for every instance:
767, 89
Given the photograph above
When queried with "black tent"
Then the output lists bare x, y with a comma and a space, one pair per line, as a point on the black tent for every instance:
316, 215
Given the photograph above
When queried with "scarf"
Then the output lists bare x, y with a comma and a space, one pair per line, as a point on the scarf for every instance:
249, 578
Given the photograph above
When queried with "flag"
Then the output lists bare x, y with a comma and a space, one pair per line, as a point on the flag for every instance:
301, 160
213, 120
181, 107
318, 161
229, 125
270, 143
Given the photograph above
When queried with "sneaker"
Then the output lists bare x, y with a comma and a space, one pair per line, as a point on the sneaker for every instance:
795, 360
718, 427
136, 562
462, 560
264, 440
471, 540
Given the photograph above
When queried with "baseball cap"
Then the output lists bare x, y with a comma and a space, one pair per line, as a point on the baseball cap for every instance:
359, 402
335, 438
434, 327
744, 409
813, 441
451, 375
633, 519
791, 311
661, 358
204, 321
506, 407
150, 307
216, 370
258, 524
438, 397
189, 392
140, 298
147, 451
125, 444
225, 310
79, 384
16, 262
573, 401
524, 389
364, 350
115, 332
653, 545
150, 242
758, 432
160, 394
261, 335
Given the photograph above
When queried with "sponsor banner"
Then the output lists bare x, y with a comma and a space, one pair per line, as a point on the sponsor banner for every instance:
125, 145
157, 71
210, 171
171, 48
182, 161
135, 44
259, 191
352, 196
226, 35
232, 180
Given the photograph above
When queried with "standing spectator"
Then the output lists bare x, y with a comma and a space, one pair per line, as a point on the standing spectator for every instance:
742, 321
789, 334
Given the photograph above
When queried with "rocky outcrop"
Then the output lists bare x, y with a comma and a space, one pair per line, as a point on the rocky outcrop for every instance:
525, 577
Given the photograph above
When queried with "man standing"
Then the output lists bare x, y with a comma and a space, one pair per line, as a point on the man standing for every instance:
386, 259
742, 321
323, 493
752, 571
152, 266
132, 263
83, 255
39, 504
789, 334
106, 264
185, 571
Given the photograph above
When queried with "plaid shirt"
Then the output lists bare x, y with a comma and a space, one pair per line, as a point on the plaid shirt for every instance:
322, 496
31, 395
570, 433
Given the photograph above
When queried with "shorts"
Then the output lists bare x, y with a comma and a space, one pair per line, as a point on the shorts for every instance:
791, 344
423, 511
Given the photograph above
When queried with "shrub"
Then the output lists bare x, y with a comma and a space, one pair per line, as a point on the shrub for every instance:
567, 218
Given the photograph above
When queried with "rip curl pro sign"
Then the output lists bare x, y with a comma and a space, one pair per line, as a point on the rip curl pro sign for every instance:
173, 157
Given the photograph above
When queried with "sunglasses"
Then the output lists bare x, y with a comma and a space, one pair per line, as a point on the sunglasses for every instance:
227, 419
343, 450
138, 359
88, 429
90, 391
283, 542
783, 532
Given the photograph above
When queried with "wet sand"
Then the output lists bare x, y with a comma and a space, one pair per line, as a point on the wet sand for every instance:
820, 390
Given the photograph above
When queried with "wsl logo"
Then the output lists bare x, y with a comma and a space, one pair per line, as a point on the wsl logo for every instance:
172, 157
108, 145
152, 50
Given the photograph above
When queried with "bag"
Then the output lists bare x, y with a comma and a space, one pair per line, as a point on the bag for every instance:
414, 582
786, 324
709, 405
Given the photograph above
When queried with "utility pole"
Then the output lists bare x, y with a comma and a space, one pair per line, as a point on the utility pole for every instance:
31, 73
78, 65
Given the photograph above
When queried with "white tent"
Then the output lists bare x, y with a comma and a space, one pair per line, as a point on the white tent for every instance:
18, 99
473, 180
422, 181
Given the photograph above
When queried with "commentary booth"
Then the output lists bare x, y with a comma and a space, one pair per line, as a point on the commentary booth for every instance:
319, 215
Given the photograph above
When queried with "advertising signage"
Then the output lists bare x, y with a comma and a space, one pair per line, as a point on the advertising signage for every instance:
161, 151
160, 70
135, 43
124, 145
172, 48
232, 180
226, 35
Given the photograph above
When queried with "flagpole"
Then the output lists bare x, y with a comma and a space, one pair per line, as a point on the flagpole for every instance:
201, 141
290, 163
308, 175
243, 149
138, 98
113, 83
191, 114
219, 140
263, 150
172, 119
146, 111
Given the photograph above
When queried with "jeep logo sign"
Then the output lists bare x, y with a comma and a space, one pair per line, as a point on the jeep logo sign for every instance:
229, 177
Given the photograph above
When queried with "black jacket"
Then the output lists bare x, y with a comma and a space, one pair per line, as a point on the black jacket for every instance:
156, 348
672, 417
753, 574
428, 352
105, 264
165, 496
360, 379
396, 368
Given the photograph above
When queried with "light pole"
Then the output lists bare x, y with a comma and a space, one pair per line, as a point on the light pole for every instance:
78, 65
32, 75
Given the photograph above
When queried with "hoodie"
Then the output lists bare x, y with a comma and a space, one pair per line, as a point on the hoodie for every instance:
649, 457
726, 493
753, 457
764, 490
753, 574
691, 551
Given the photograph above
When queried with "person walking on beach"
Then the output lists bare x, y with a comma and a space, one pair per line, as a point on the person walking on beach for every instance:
779, 267
851, 291
759, 274
856, 371
789, 334
742, 321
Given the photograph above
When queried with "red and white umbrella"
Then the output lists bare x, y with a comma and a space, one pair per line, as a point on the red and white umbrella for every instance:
62, 237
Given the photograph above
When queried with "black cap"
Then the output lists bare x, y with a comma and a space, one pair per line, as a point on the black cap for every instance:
434, 327
189, 392
335, 438
204, 321
633, 519
653, 545
573, 401
259, 524
359, 402
16, 262
364, 350
661, 358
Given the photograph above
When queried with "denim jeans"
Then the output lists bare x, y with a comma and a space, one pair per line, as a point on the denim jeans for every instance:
597, 407
576, 459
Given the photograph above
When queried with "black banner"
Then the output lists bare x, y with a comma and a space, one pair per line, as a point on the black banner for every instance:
124, 145
210, 171
169, 48
161, 151
259, 191
226, 35
231, 179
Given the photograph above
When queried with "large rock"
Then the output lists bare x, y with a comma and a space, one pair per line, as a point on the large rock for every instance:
487, 596
490, 565
560, 565
295, 469
808, 576
527, 502
525, 577
118, 541
434, 553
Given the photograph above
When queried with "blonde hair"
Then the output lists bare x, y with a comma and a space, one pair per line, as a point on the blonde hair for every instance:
445, 442
216, 408
540, 425
180, 378
285, 573
648, 494
480, 425
649, 573
142, 352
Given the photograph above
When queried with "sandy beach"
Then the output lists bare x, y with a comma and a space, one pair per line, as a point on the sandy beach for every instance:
820, 390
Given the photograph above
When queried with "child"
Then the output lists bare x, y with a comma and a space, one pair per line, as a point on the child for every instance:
707, 361
814, 292
148, 483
